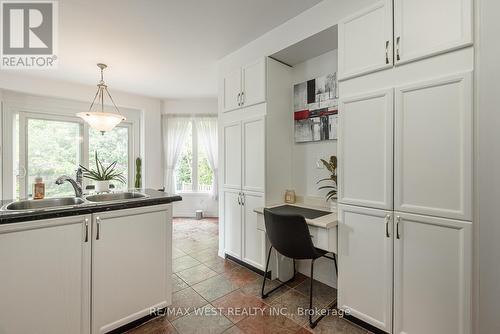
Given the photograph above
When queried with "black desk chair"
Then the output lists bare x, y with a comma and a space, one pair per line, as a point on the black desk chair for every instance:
289, 235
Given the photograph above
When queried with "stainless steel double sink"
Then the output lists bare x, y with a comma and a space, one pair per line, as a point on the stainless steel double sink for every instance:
54, 203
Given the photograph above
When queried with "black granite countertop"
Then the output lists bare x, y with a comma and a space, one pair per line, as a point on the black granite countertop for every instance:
153, 197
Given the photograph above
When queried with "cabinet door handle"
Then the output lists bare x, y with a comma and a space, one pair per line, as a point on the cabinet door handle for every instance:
86, 222
387, 219
239, 198
397, 48
387, 52
98, 225
239, 99
242, 198
398, 220
242, 98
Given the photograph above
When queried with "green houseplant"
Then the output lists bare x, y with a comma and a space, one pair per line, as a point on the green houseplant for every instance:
331, 166
103, 174
138, 173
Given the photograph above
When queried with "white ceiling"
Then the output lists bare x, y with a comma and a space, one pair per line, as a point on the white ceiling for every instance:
160, 48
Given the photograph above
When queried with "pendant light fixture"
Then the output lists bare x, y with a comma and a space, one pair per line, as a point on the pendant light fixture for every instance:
100, 120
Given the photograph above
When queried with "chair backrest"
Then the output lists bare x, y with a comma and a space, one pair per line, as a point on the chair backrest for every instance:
289, 234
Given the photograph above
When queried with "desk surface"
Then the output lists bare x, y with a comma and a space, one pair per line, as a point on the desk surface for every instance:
320, 217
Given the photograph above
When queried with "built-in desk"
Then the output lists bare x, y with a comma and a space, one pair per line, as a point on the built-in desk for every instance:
323, 228
322, 225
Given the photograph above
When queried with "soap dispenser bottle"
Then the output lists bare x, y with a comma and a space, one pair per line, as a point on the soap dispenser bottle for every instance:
38, 188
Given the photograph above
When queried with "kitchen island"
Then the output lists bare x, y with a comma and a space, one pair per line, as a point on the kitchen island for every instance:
91, 267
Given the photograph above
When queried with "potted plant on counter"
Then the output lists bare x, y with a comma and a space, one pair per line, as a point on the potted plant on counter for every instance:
102, 175
331, 166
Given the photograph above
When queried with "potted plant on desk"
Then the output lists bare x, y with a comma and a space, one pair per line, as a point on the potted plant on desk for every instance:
102, 175
331, 166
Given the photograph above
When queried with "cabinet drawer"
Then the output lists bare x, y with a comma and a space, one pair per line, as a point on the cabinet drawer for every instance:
324, 238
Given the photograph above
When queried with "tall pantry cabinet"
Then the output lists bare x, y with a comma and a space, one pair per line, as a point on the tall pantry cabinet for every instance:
255, 143
405, 166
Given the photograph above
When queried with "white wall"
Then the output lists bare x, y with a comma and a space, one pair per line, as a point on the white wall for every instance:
305, 156
190, 106
487, 237
149, 107
192, 202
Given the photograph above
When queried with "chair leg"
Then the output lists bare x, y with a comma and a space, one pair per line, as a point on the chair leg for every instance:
332, 305
266, 294
335, 261
311, 323
265, 274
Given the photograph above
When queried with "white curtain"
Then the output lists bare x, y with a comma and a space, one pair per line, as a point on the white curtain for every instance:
207, 132
174, 133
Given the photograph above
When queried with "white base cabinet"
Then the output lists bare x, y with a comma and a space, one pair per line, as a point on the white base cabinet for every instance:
233, 223
431, 273
365, 276
85, 274
131, 265
45, 276
432, 281
242, 238
254, 250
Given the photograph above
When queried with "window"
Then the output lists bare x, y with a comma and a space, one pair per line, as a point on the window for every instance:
193, 172
112, 146
53, 149
205, 174
52, 145
184, 167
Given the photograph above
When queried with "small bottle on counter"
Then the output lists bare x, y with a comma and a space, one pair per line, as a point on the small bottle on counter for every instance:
38, 188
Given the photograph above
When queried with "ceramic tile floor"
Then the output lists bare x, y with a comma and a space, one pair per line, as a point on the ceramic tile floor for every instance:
213, 295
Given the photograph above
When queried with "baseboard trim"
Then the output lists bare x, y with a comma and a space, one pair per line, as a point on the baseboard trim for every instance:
248, 266
137, 323
363, 324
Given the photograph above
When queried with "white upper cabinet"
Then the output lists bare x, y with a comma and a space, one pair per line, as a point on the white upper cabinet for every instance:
433, 148
365, 41
254, 154
254, 79
427, 27
432, 275
232, 90
245, 86
365, 253
422, 28
232, 155
366, 150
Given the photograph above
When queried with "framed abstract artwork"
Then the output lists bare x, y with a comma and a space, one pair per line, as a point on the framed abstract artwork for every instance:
315, 109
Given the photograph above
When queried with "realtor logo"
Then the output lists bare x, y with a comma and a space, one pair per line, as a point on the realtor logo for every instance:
28, 34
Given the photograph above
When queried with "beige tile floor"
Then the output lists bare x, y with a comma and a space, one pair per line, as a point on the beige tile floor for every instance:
208, 290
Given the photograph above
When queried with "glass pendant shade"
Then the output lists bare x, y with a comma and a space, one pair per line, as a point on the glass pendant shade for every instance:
101, 121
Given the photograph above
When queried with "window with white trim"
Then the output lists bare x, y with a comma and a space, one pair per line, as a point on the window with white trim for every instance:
49, 146
192, 171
